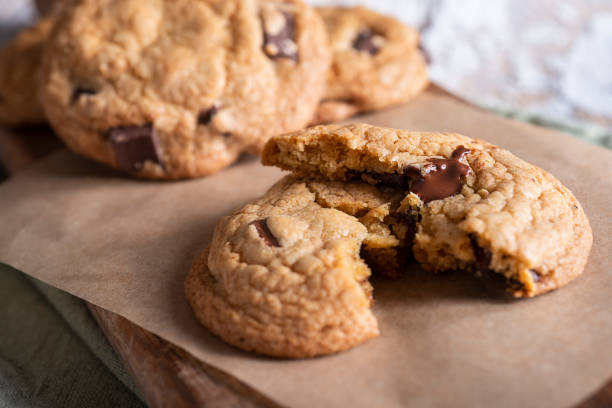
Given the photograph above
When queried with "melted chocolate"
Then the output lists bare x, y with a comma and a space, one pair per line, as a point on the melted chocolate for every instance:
439, 178
433, 180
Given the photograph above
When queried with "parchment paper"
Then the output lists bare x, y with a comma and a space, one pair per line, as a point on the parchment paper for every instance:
126, 245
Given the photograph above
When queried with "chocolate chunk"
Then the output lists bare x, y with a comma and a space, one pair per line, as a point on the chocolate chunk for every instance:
482, 255
79, 91
264, 233
433, 180
134, 145
279, 35
369, 42
438, 178
205, 116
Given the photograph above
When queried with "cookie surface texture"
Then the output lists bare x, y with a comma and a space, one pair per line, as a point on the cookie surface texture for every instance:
376, 63
179, 88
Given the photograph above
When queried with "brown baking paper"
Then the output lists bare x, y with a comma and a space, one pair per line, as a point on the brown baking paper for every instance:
126, 245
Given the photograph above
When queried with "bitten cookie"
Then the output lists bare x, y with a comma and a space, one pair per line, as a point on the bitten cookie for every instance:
19, 76
287, 274
472, 205
284, 277
376, 63
179, 88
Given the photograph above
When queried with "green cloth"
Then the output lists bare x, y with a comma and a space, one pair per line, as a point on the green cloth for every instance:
53, 354
589, 132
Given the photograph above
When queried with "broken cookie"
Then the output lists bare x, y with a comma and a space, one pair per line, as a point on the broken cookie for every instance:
287, 275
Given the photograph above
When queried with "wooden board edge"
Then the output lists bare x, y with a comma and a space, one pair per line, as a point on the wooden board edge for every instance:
174, 378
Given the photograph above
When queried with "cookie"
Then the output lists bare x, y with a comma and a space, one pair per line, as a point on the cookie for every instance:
376, 63
179, 88
19, 76
284, 277
470, 205
287, 275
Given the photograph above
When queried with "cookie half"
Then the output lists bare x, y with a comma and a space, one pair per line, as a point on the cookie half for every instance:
179, 88
376, 63
471, 205
283, 277
19, 76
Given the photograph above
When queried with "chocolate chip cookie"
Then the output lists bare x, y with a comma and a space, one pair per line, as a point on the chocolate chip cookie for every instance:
469, 204
376, 63
287, 275
179, 88
19, 76
284, 277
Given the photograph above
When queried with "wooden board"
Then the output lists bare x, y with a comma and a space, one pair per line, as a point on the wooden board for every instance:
166, 375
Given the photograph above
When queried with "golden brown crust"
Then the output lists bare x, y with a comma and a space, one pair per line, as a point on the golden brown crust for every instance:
234, 326
361, 81
195, 70
300, 292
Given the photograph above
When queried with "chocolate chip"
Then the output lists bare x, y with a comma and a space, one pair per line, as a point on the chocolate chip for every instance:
134, 145
264, 233
279, 35
79, 91
367, 41
205, 116
482, 255
439, 178
433, 180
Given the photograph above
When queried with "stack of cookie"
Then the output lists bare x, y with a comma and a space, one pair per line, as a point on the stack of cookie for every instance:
287, 275
180, 88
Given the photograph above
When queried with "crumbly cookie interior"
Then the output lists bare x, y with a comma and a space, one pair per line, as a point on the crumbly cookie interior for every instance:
398, 224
